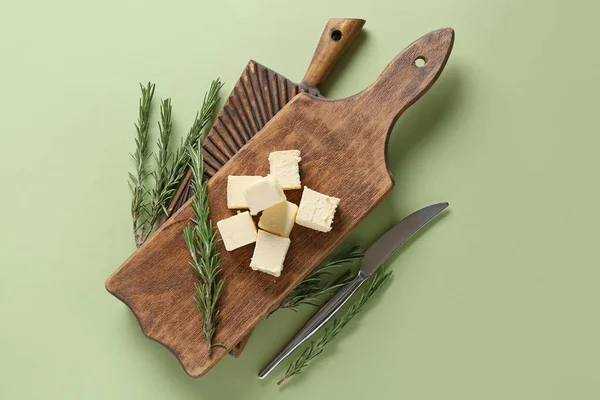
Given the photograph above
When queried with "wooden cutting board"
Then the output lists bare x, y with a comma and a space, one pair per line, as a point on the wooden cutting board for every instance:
343, 144
257, 96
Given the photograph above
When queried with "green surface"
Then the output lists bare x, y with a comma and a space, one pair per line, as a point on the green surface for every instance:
496, 300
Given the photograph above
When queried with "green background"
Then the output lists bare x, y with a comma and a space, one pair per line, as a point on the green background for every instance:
496, 300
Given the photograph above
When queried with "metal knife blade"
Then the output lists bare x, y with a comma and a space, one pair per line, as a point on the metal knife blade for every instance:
395, 237
374, 257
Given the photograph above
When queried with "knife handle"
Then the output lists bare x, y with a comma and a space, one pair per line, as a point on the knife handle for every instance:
339, 33
316, 322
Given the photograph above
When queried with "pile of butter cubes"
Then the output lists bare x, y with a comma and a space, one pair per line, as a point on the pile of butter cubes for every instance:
266, 195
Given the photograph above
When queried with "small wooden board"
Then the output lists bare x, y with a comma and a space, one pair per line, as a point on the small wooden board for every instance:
343, 144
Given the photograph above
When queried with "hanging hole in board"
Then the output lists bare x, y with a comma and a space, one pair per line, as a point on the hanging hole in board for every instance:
336, 35
420, 62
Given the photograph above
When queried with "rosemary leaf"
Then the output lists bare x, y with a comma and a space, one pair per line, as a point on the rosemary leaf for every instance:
162, 190
140, 208
201, 241
315, 288
316, 347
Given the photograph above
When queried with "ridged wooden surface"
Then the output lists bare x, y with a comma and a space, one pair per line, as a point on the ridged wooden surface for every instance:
258, 95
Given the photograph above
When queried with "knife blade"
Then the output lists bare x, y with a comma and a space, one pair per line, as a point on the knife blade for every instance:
374, 257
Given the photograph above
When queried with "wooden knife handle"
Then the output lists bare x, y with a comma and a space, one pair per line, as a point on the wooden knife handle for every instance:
339, 33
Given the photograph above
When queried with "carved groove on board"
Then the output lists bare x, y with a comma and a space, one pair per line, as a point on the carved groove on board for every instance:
266, 90
240, 114
214, 151
258, 95
226, 146
236, 122
228, 133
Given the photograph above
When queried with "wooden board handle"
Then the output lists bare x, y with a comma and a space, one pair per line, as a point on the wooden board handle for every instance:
339, 33
409, 75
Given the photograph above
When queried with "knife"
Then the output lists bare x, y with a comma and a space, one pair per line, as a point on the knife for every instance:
374, 257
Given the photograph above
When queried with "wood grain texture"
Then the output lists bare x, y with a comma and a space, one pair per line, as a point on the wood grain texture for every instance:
256, 97
335, 40
343, 144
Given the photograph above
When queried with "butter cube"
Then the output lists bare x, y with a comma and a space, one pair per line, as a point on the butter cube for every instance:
235, 190
279, 219
269, 253
237, 231
284, 167
263, 193
316, 210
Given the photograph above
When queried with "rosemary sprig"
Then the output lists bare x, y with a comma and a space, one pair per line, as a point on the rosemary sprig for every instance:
163, 190
148, 206
139, 203
201, 241
315, 288
195, 136
316, 347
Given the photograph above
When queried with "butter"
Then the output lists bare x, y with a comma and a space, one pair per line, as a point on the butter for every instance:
237, 231
284, 167
269, 253
235, 190
316, 210
263, 193
279, 219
